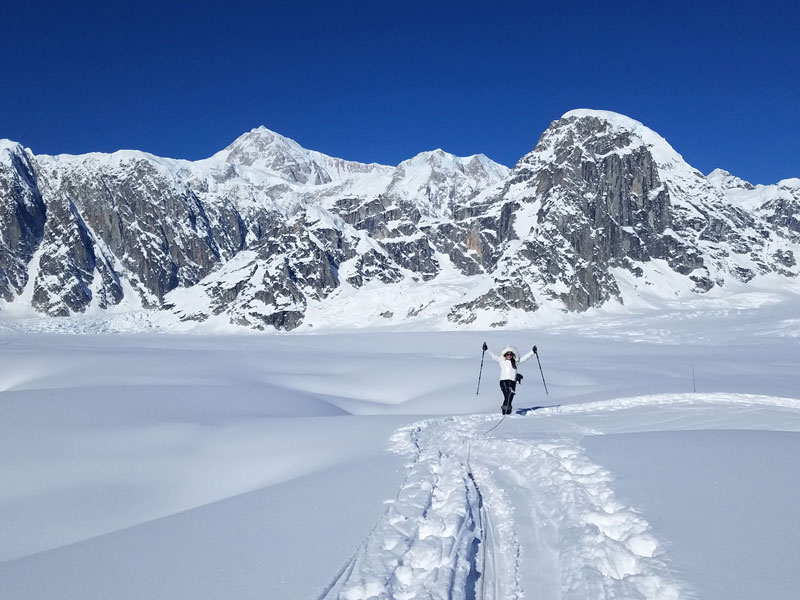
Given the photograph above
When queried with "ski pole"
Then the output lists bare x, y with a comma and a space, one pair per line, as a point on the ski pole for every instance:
540, 370
481, 371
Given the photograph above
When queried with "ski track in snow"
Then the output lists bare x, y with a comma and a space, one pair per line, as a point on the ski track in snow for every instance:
485, 516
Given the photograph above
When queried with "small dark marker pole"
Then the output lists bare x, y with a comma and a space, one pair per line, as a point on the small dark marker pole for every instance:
694, 387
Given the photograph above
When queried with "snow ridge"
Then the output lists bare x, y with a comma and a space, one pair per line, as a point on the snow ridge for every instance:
671, 399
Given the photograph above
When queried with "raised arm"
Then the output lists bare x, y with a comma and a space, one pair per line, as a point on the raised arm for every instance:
491, 354
527, 355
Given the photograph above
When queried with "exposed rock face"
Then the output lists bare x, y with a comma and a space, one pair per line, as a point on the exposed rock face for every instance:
162, 233
265, 232
601, 194
22, 218
73, 268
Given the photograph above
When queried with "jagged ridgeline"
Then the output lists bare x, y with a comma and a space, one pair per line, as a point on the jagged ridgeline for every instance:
267, 234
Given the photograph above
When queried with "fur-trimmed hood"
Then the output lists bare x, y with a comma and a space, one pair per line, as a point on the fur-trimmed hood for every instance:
512, 350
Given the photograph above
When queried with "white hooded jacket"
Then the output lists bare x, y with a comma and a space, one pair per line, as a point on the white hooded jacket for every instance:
507, 370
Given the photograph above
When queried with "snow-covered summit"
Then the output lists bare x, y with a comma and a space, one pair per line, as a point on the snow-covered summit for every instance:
638, 134
724, 180
618, 120
264, 149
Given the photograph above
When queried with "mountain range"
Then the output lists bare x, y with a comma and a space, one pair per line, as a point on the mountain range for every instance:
267, 234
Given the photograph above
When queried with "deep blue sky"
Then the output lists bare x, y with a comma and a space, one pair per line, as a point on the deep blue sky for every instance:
382, 81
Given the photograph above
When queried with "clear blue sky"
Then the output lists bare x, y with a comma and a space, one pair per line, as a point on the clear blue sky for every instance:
381, 81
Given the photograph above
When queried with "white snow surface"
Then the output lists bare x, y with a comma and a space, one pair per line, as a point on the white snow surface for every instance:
364, 465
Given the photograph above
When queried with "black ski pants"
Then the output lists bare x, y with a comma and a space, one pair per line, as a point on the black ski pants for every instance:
508, 388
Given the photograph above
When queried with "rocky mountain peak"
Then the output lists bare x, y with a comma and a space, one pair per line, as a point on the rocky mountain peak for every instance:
601, 133
249, 147
264, 149
616, 120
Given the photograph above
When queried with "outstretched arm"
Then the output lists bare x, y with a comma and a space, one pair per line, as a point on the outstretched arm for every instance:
527, 355
491, 354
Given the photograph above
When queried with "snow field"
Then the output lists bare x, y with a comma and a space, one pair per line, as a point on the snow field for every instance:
724, 502
214, 467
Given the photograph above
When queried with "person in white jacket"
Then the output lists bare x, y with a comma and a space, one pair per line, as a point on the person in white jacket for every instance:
508, 360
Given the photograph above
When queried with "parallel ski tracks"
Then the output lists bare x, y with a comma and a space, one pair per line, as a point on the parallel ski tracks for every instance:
438, 538
453, 531
490, 571
486, 563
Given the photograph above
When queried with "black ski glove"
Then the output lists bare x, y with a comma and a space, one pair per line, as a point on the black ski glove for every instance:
534, 350
485, 347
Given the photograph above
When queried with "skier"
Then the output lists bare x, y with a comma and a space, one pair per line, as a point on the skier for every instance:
508, 372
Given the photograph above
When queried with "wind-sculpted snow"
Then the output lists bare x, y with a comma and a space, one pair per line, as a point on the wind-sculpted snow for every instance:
484, 515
